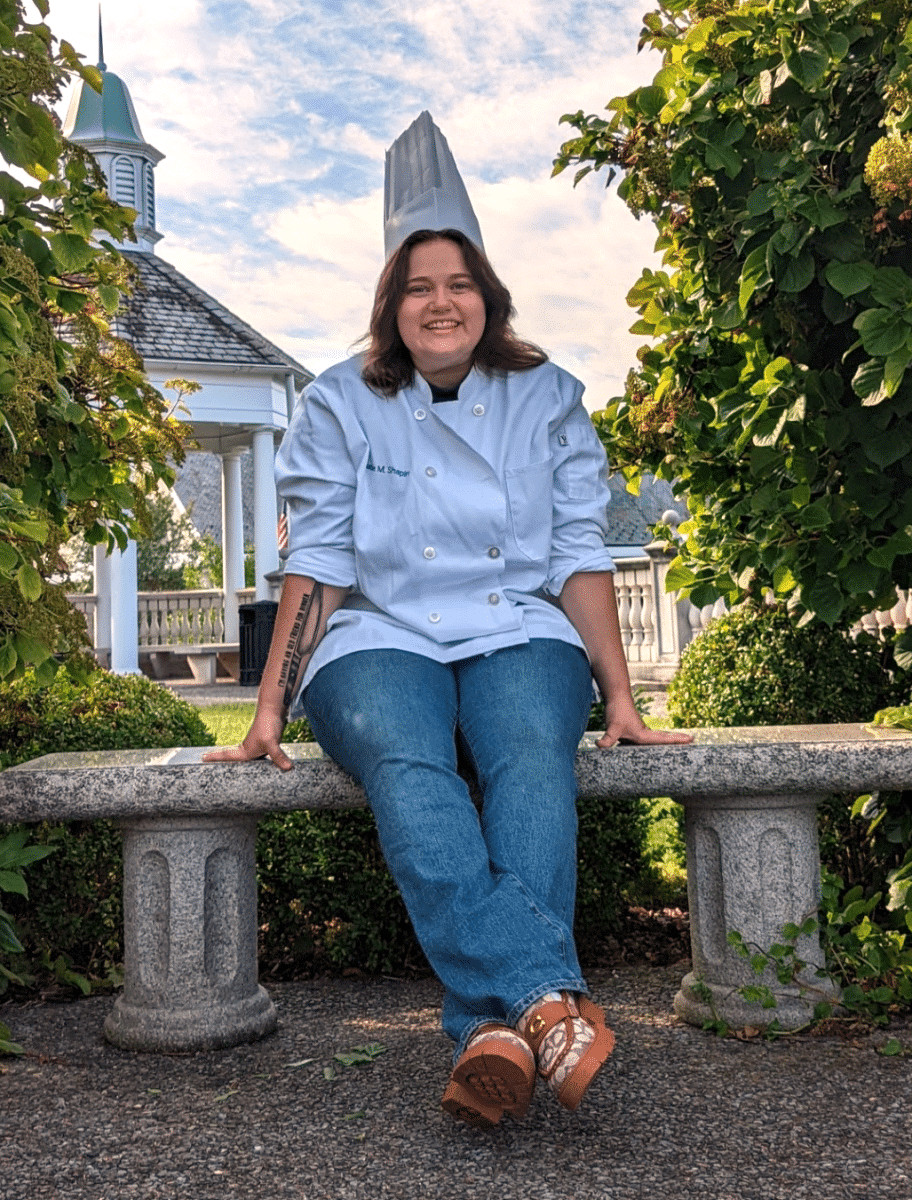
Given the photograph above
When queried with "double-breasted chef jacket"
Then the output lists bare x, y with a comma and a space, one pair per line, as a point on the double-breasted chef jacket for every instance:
456, 524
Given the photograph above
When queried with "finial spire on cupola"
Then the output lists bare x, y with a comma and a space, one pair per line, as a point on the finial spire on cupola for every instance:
101, 61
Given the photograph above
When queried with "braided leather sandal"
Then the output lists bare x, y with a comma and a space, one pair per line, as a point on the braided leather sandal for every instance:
569, 1063
494, 1075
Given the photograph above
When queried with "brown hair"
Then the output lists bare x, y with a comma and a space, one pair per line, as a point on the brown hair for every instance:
389, 365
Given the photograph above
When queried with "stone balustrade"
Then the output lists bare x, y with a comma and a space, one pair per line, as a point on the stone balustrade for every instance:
189, 872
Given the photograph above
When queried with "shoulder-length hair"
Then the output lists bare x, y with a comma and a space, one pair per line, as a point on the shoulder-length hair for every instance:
389, 367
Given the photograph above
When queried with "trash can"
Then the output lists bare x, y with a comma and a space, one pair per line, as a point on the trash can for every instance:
256, 622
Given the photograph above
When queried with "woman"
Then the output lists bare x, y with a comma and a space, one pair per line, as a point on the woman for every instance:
448, 584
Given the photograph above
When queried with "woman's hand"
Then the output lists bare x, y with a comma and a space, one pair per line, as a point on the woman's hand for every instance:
262, 741
624, 724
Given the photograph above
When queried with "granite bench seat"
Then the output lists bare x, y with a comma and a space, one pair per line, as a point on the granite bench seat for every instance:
203, 659
189, 828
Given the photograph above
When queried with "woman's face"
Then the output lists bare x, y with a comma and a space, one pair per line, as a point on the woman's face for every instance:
441, 317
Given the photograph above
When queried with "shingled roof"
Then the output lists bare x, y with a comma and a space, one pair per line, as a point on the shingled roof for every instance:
169, 318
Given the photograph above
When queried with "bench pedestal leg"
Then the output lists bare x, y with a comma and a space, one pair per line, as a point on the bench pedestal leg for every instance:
753, 865
190, 937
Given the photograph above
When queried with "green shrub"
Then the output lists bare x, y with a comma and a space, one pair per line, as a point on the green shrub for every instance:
756, 666
108, 712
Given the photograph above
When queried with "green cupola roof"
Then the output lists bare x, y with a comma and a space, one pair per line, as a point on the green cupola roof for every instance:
106, 117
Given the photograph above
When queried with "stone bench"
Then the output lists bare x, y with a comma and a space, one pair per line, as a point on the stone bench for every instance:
190, 883
203, 660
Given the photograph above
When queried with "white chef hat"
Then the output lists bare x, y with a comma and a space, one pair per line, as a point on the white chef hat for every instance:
423, 188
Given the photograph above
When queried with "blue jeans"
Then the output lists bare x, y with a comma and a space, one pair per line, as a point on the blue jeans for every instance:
490, 894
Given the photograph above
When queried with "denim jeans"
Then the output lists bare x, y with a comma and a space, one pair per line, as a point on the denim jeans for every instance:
490, 894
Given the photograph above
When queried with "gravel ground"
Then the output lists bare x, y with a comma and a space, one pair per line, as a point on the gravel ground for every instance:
676, 1115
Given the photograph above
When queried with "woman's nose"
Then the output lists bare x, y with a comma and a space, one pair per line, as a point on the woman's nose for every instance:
440, 299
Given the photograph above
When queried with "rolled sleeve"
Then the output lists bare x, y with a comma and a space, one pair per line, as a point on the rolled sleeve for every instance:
581, 498
316, 478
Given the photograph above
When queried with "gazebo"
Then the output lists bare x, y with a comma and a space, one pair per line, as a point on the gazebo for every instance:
248, 386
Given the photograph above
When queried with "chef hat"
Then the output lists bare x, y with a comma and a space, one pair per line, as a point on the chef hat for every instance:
423, 188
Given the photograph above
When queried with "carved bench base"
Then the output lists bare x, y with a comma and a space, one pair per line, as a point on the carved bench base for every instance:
190, 937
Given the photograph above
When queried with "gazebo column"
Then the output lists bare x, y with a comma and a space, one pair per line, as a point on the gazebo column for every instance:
124, 611
265, 512
232, 541
102, 572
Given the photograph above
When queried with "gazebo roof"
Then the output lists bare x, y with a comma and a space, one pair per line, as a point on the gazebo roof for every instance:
170, 318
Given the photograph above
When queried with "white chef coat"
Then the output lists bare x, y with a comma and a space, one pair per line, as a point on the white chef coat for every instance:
454, 523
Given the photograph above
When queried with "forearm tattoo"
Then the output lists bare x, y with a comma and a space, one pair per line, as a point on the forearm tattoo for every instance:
305, 633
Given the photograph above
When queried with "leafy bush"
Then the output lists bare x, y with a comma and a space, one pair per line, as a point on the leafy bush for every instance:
108, 712
757, 666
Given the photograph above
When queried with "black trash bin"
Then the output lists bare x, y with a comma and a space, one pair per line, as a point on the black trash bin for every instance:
256, 622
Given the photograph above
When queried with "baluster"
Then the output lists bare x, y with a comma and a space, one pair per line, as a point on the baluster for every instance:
636, 624
649, 629
898, 617
624, 614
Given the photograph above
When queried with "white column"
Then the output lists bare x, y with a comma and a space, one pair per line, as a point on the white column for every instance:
102, 572
265, 513
232, 541
124, 615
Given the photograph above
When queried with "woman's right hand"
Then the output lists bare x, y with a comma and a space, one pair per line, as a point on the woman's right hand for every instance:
262, 741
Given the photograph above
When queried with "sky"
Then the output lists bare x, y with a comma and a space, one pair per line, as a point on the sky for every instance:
274, 116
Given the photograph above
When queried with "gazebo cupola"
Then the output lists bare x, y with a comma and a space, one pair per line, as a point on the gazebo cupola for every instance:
107, 126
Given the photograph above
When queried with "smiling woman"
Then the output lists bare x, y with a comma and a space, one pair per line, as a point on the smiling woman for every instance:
462, 597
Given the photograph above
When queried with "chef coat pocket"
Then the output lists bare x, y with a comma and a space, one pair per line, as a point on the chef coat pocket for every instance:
531, 503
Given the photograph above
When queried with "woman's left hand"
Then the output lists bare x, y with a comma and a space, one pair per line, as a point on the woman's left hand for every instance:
624, 724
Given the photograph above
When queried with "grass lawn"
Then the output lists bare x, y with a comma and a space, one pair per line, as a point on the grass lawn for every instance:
228, 723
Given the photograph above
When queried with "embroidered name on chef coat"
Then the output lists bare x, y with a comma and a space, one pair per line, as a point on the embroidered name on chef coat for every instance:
387, 470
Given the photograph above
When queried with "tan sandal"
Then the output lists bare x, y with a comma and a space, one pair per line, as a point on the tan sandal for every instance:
570, 1062
494, 1075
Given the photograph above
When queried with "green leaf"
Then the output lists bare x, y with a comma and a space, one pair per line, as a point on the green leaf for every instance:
798, 273
72, 252
882, 331
762, 199
816, 516
8, 558
30, 582
895, 369
892, 287
30, 649
649, 100
849, 278
12, 881
678, 576
754, 274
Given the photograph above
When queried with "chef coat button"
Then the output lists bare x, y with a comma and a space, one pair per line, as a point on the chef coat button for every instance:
434, 617
478, 410
493, 552
493, 598
430, 552
430, 472
420, 414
